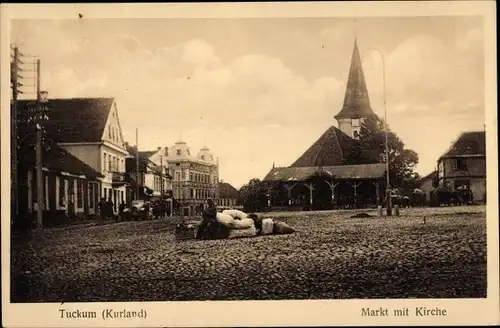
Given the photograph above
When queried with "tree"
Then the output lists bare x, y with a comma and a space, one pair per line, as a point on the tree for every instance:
371, 149
252, 195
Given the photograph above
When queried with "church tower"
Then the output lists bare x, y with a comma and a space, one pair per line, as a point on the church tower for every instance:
356, 101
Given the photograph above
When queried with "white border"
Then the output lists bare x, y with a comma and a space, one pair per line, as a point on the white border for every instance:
260, 313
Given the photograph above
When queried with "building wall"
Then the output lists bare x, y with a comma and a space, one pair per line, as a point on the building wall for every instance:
194, 182
112, 132
474, 176
346, 126
476, 167
426, 186
62, 192
351, 127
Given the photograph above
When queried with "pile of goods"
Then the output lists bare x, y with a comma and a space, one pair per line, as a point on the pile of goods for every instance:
241, 224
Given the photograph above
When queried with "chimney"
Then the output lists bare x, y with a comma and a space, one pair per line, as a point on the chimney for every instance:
44, 96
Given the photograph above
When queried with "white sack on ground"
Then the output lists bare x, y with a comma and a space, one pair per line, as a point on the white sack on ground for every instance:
267, 226
225, 219
236, 214
231, 223
243, 224
241, 233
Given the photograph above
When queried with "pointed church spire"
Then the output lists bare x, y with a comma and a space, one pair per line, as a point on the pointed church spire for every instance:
356, 99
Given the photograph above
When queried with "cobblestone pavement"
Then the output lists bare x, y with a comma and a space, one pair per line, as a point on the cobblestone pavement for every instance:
330, 256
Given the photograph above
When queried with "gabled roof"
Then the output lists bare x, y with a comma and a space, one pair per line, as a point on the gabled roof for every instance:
356, 99
429, 176
74, 119
131, 162
144, 161
54, 158
365, 171
227, 191
330, 149
468, 144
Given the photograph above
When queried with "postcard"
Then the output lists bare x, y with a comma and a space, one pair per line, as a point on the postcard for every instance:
249, 164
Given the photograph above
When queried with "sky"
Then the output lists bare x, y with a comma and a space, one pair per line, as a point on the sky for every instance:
262, 90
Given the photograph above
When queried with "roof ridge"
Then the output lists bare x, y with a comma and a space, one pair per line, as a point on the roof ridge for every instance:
325, 135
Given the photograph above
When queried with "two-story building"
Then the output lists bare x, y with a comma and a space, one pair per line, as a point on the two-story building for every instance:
89, 129
195, 177
464, 164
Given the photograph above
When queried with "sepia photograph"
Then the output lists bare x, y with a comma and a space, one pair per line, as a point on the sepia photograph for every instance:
249, 158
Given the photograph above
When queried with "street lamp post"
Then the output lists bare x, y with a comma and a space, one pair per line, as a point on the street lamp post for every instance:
388, 188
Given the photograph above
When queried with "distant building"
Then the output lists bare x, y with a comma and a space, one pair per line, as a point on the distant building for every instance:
228, 195
154, 180
195, 177
89, 129
427, 184
464, 164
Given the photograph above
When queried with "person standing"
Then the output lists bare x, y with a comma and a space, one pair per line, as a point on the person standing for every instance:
121, 209
110, 211
102, 208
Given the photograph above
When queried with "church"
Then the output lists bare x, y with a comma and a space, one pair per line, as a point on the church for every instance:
322, 178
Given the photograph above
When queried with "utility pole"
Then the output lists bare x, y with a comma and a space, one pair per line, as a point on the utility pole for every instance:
137, 162
14, 133
39, 170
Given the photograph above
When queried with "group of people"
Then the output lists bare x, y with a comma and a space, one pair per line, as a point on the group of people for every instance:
106, 208
157, 209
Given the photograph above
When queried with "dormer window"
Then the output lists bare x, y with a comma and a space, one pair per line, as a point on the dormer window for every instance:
178, 152
356, 122
203, 157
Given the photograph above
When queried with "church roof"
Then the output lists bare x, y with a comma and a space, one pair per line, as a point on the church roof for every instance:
364, 171
356, 99
330, 149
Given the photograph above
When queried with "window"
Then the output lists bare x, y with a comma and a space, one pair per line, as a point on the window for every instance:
177, 176
183, 174
110, 169
105, 162
46, 191
356, 134
356, 122
104, 194
190, 176
178, 152
62, 192
91, 195
110, 133
191, 193
203, 157
79, 193
460, 164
